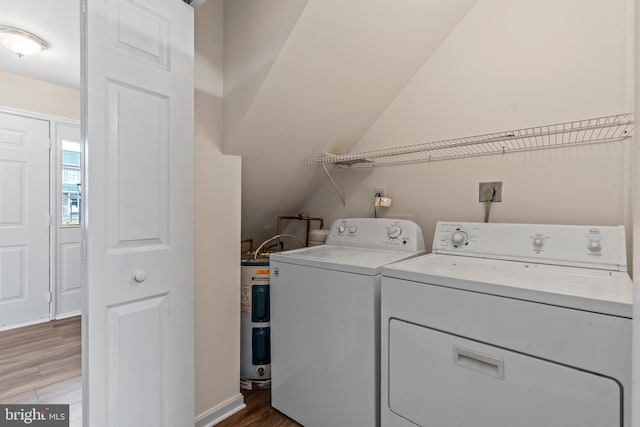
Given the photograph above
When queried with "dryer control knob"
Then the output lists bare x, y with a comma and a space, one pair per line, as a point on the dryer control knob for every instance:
353, 230
538, 243
341, 229
459, 238
594, 245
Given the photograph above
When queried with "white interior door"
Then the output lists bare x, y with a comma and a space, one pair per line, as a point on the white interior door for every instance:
138, 105
24, 220
68, 196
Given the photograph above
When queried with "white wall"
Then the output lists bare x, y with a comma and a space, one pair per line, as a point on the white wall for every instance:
341, 65
635, 163
255, 31
508, 64
217, 226
635, 391
36, 95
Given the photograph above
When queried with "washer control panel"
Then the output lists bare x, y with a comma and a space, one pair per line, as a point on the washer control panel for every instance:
572, 245
380, 233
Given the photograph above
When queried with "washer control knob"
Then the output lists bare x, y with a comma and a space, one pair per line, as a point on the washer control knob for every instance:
353, 230
594, 245
341, 229
538, 242
458, 238
394, 231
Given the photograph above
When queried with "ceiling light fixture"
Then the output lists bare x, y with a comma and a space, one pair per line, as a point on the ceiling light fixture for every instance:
21, 42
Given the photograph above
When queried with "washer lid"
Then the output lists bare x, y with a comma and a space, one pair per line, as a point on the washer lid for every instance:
365, 261
606, 292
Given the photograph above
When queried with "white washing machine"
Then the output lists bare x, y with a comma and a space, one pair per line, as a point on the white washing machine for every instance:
325, 322
509, 325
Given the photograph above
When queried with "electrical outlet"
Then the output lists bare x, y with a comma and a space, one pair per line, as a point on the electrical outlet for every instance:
486, 190
382, 191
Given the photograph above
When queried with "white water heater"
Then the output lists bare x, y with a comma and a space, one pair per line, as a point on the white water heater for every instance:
255, 324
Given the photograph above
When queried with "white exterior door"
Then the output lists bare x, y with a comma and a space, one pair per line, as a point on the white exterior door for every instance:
138, 105
24, 220
68, 196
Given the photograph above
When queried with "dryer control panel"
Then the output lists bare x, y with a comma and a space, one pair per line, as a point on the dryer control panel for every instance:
377, 233
600, 247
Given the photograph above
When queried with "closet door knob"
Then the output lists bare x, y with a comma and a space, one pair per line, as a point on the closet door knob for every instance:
140, 276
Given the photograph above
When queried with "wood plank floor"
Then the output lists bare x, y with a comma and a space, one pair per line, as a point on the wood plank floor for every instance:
41, 364
258, 412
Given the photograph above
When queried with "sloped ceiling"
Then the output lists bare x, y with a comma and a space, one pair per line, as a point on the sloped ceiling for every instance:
304, 77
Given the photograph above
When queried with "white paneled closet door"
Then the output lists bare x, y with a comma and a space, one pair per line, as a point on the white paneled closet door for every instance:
24, 220
138, 123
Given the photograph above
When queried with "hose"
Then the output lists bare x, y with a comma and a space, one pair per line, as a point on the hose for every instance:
277, 236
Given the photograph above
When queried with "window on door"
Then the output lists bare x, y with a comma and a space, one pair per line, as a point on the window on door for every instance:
71, 188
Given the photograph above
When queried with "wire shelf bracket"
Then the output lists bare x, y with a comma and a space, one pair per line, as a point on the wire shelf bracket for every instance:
588, 131
344, 201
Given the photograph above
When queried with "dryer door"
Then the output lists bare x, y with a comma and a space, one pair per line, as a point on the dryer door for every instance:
443, 380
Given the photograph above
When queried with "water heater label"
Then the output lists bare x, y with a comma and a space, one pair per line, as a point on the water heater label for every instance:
249, 278
245, 300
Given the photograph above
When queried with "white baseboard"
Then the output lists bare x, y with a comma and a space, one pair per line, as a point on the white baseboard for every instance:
220, 412
23, 324
67, 315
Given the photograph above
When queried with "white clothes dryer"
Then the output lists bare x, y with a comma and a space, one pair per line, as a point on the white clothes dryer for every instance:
509, 325
325, 322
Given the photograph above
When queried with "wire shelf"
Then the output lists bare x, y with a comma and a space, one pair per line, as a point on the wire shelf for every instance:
589, 131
